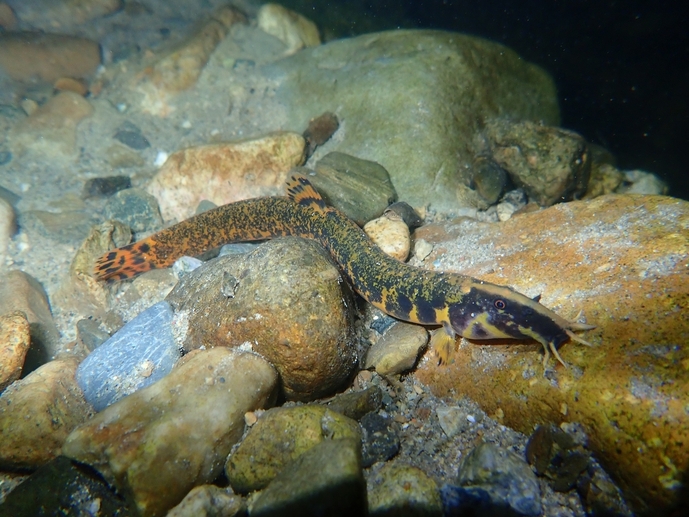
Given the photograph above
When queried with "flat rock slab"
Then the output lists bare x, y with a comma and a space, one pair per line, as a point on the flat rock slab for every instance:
624, 261
413, 100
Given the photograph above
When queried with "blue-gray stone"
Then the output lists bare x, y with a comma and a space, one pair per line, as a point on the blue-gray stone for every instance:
495, 479
139, 354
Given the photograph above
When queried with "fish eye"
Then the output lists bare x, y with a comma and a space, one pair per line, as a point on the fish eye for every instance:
499, 304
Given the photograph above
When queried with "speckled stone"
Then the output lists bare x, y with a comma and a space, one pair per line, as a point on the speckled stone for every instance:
624, 261
280, 436
136, 208
208, 501
551, 164
288, 304
403, 490
224, 173
15, 339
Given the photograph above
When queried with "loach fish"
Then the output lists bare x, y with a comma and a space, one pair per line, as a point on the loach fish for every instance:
458, 303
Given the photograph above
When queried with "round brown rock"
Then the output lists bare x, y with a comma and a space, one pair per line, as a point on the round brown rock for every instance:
285, 300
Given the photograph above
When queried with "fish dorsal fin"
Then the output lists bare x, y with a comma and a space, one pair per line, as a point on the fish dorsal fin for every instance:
302, 192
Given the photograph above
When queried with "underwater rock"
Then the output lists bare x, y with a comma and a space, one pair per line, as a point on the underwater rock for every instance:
136, 356
289, 304
403, 490
391, 234
325, 480
397, 350
105, 186
27, 56
67, 84
557, 455
506, 478
361, 189
424, 92
51, 130
63, 487
38, 412
641, 182
279, 437
8, 20
223, 173
179, 69
15, 339
621, 259
136, 208
21, 292
208, 501
380, 439
293, 29
131, 136
187, 421
47, 15
549, 163
80, 291
356, 404
320, 129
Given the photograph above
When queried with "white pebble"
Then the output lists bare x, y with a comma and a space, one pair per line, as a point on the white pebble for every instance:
391, 235
161, 158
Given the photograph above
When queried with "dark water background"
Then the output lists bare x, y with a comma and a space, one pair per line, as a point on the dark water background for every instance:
621, 67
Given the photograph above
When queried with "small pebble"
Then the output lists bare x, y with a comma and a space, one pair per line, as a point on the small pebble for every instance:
397, 350
391, 235
135, 208
502, 476
422, 248
131, 136
29, 106
71, 85
161, 158
185, 265
380, 440
105, 186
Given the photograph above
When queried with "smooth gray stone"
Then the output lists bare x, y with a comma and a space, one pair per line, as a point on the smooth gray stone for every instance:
139, 354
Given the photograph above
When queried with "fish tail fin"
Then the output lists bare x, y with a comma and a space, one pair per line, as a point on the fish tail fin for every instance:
127, 261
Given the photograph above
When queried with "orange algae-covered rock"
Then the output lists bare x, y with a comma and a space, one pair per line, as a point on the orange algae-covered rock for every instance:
624, 261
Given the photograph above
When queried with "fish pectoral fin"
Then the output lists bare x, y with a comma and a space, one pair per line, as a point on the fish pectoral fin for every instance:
443, 343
